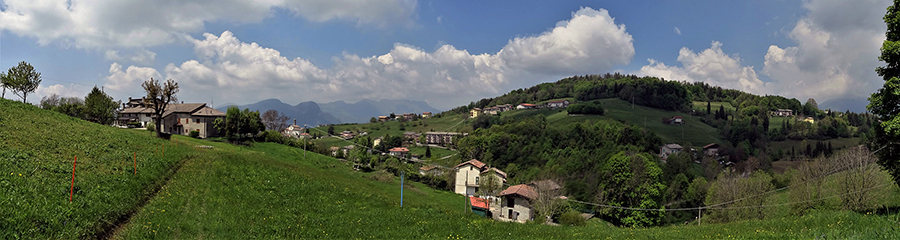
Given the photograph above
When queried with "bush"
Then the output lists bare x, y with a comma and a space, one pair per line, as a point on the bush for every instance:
572, 218
194, 134
151, 127
592, 107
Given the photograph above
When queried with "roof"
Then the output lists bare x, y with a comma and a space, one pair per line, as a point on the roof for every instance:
521, 190
546, 183
711, 145
559, 101
476, 163
137, 110
673, 146
334, 148
444, 133
399, 149
304, 134
676, 117
426, 113
183, 108
208, 112
427, 168
479, 202
495, 170
527, 105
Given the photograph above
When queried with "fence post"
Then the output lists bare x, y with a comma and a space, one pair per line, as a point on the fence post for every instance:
135, 163
72, 189
401, 189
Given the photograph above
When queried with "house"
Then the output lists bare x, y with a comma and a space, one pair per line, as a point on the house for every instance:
669, 149
475, 112
516, 204
346, 150
334, 150
442, 138
526, 106
377, 141
293, 130
186, 117
783, 113
399, 152
412, 136
409, 116
711, 149
426, 114
142, 115
347, 135
809, 120
467, 176
480, 206
430, 170
558, 104
134, 103
675, 120
383, 118
305, 135
505, 107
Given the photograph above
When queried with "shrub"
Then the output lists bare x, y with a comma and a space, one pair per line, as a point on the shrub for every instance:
572, 218
194, 134
592, 107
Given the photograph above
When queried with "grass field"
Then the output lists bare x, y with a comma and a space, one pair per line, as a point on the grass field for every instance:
701, 106
797, 145
272, 191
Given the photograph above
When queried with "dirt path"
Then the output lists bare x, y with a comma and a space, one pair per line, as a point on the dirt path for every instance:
114, 230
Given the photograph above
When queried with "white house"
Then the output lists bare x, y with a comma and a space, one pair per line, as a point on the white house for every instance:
516, 204
669, 149
467, 176
526, 106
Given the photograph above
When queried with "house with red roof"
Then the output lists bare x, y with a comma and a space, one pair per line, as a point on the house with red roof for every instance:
517, 203
480, 206
470, 173
399, 152
526, 106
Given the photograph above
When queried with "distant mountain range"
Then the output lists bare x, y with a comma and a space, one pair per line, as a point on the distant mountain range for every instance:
312, 113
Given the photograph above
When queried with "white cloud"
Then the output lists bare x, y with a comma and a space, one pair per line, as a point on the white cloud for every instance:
72, 90
711, 66
228, 68
589, 42
142, 56
136, 23
677, 31
836, 54
130, 79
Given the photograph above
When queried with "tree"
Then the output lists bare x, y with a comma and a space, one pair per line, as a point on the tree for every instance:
22, 80
239, 125
708, 107
274, 120
330, 130
158, 98
3, 81
99, 107
885, 102
427, 151
373, 120
547, 202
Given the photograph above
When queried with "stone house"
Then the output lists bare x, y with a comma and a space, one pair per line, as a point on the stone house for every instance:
186, 117
517, 204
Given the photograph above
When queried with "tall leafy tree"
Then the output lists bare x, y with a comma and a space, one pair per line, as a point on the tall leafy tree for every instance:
100, 107
22, 80
885, 103
158, 98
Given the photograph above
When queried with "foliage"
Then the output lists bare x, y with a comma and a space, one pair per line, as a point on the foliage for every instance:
592, 107
239, 125
885, 102
71, 106
631, 180
194, 134
22, 80
99, 107
158, 98
150, 126
572, 218
274, 120
733, 197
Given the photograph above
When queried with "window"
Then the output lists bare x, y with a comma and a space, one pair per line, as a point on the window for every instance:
179, 120
476, 180
196, 120
510, 202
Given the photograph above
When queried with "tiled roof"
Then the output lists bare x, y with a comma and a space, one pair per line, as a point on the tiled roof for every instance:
479, 202
528, 105
521, 190
208, 112
427, 168
673, 146
137, 110
496, 170
183, 108
399, 149
476, 163
710, 145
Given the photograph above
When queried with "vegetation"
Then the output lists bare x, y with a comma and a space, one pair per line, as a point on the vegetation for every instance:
592, 107
274, 120
885, 103
239, 125
21, 79
99, 107
158, 97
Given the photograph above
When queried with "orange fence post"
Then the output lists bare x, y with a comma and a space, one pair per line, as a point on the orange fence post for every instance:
135, 163
72, 189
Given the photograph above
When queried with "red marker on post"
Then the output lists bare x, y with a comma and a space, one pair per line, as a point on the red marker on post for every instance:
72, 190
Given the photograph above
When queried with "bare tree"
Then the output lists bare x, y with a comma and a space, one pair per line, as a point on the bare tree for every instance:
158, 98
489, 184
547, 202
274, 120
859, 179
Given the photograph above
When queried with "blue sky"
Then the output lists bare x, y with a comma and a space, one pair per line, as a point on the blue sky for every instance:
447, 53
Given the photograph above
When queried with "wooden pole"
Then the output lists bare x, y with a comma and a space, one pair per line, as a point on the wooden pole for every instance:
135, 163
72, 189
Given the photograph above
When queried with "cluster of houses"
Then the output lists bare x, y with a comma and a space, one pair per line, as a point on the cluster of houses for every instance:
476, 112
512, 203
405, 116
711, 149
178, 118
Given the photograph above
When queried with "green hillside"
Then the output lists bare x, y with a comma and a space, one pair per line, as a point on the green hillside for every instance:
693, 131
274, 191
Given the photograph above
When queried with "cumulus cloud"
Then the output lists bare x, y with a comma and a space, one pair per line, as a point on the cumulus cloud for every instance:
582, 44
228, 68
142, 56
130, 79
836, 53
136, 23
711, 66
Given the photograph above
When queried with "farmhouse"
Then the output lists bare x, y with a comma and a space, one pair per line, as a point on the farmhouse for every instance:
475, 112
783, 113
399, 152
140, 115
675, 120
426, 114
347, 135
711, 149
669, 149
186, 117
505, 107
558, 104
517, 203
383, 118
442, 138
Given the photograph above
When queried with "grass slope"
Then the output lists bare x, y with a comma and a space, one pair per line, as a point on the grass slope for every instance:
37, 149
449, 122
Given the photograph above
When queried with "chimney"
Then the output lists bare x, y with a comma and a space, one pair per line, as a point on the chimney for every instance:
295, 121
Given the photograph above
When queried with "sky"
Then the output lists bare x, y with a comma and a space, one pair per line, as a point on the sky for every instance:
447, 53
